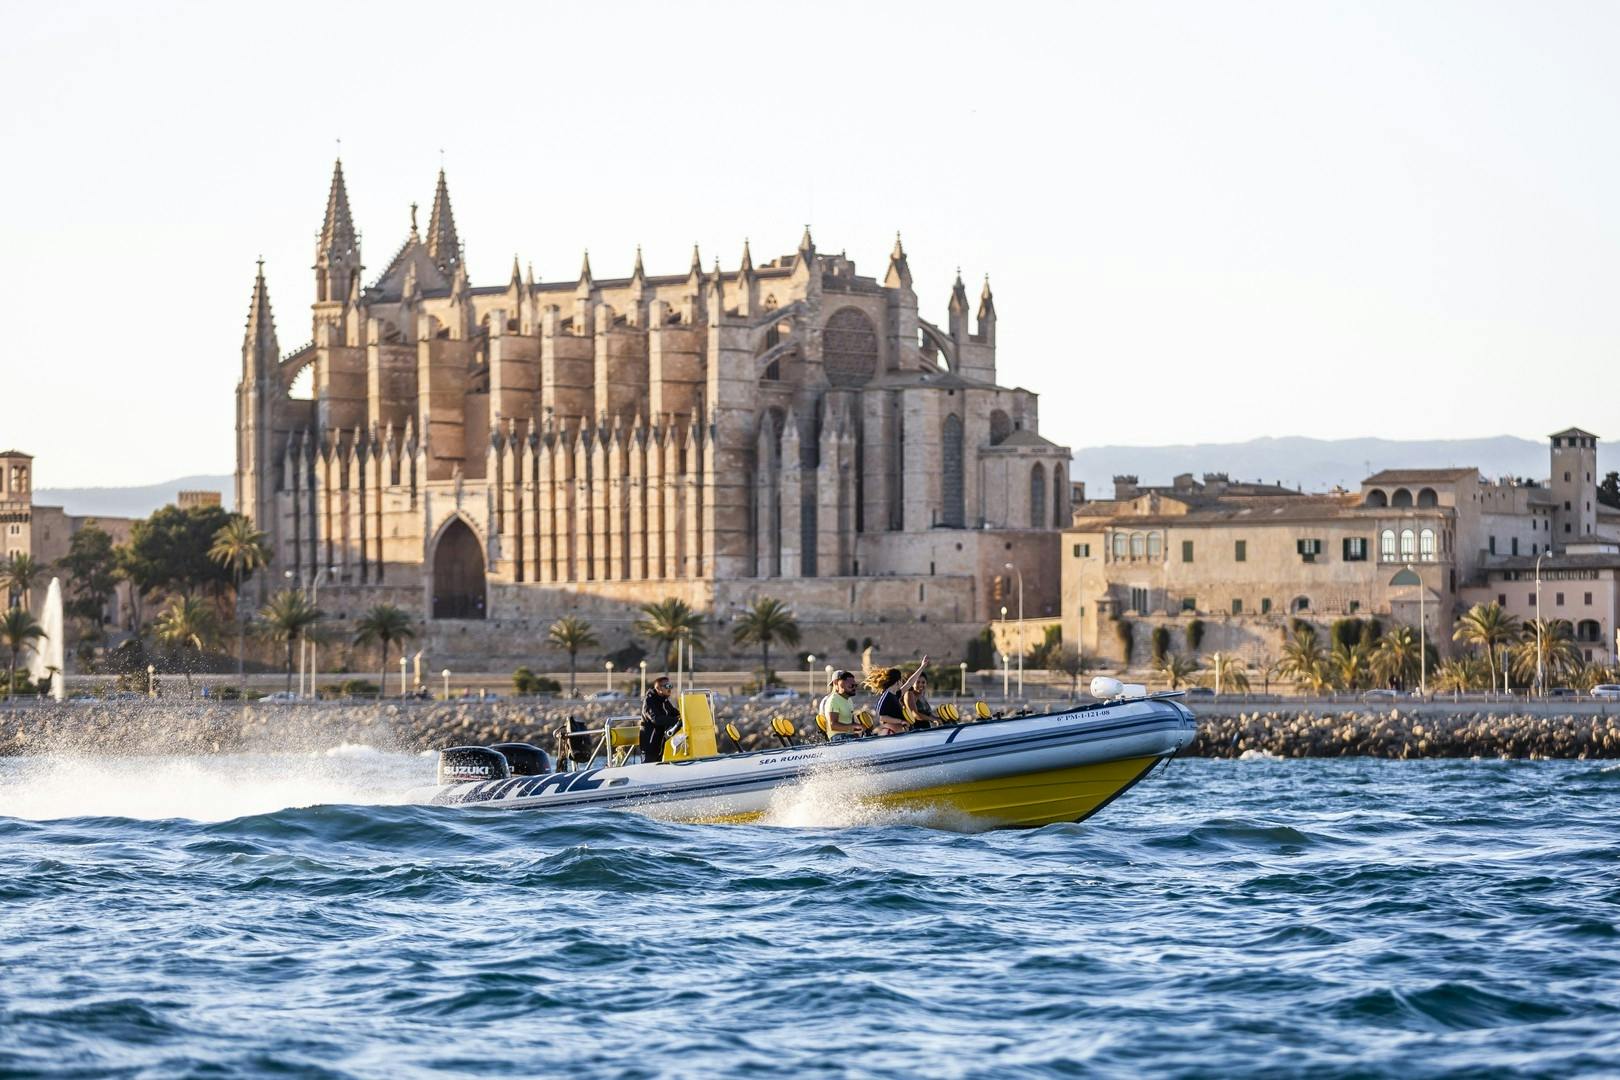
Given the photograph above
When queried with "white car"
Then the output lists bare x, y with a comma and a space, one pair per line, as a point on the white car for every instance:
608, 695
1608, 690
775, 693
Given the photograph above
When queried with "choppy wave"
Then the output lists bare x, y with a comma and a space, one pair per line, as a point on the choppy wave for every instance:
293, 914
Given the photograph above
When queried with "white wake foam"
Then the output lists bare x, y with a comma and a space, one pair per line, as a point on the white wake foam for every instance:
204, 788
840, 796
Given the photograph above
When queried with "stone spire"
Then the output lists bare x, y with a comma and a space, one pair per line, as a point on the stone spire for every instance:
959, 308
516, 281
987, 314
337, 232
807, 246
444, 247
899, 275
586, 281
696, 269
747, 266
260, 351
639, 272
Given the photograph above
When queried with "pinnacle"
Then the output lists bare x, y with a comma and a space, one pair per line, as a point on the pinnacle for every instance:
443, 245
807, 246
517, 274
747, 257
261, 323
337, 231
585, 269
639, 270
899, 251
697, 261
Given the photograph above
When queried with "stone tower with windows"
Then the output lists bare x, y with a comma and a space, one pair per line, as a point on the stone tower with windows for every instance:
1574, 486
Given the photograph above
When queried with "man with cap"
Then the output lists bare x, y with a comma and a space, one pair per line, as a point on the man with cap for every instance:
659, 718
837, 709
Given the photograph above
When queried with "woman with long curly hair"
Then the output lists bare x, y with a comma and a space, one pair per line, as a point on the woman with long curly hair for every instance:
891, 690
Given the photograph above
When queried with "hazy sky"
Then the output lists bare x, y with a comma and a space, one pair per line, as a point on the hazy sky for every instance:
1202, 221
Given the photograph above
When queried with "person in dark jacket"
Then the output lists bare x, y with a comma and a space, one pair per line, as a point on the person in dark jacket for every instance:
660, 717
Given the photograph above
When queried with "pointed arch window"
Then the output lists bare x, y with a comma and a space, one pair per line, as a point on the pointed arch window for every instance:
1037, 496
953, 510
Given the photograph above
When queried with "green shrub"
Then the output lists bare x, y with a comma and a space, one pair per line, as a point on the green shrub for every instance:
1195, 634
525, 681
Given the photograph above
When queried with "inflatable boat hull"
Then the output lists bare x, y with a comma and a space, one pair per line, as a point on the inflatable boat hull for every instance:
1017, 772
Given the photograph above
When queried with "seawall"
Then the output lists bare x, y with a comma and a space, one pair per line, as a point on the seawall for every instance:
1321, 731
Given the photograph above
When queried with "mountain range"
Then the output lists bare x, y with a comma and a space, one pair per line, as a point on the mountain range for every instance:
1296, 461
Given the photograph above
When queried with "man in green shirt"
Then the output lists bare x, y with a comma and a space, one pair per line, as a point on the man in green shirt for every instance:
837, 709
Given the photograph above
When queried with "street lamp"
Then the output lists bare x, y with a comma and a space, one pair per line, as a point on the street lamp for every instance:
402, 662
963, 666
643, 678
1004, 676
810, 676
610, 676
1020, 573
151, 681
1541, 686
445, 674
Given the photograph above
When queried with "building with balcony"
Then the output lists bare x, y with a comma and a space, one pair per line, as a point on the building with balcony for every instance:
1244, 560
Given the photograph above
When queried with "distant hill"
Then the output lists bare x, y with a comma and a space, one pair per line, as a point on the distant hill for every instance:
132, 502
1316, 464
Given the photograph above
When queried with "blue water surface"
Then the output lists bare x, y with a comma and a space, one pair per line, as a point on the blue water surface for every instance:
1257, 918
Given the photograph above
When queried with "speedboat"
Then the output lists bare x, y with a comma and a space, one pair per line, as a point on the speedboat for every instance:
1006, 772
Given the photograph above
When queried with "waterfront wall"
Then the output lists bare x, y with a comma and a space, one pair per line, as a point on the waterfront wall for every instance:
138, 728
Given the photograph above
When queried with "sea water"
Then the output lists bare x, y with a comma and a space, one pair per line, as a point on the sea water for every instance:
288, 915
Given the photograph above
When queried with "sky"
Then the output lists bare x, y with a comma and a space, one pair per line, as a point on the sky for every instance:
1202, 221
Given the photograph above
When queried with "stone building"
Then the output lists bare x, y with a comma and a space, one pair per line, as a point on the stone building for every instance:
1243, 560
506, 453
45, 532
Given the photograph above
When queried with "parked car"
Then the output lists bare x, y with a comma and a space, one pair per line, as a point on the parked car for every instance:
608, 695
280, 695
1380, 695
1561, 691
774, 693
1608, 691
1200, 692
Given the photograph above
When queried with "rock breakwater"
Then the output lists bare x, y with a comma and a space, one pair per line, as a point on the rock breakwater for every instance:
139, 728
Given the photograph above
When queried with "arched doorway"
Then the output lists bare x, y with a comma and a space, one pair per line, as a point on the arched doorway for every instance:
458, 574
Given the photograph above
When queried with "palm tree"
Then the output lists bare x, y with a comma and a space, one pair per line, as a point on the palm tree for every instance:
1488, 627
1304, 660
1348, 666
766, 622
1559, 656
386, 625
571, 634
1228, 672
187, 622
1395, 659
1177, 669
1460, 674
288, 615
19, 631
668, 621
19, 574
240, 548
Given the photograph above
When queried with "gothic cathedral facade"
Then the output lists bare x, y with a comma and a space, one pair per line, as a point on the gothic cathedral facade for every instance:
510, 452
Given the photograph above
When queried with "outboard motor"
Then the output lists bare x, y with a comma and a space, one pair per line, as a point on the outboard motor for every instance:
525, 759
471, 765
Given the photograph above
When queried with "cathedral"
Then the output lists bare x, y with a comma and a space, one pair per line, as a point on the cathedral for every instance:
509, 453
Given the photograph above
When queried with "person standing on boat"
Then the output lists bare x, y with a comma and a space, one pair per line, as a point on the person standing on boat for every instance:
837, 708
660, 717
891, 690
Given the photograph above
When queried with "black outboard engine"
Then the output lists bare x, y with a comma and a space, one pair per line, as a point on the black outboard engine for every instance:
525, 759
472, 764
